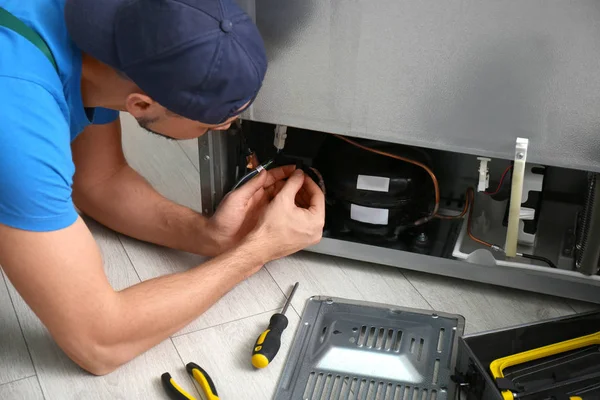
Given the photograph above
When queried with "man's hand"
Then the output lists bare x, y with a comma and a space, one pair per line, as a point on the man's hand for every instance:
108, 190
292, 221
240, 210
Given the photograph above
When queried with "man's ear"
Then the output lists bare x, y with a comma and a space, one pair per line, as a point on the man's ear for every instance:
139, 105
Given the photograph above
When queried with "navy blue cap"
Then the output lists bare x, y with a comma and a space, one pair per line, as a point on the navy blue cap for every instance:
201, 59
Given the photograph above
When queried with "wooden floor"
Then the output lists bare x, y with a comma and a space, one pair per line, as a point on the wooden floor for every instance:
33, 367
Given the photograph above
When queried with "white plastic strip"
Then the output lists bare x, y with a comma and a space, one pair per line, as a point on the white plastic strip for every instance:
484, 174
368, 215
514, 213
373, 183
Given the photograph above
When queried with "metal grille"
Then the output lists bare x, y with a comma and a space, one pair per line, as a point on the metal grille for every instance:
348, 350
329, 387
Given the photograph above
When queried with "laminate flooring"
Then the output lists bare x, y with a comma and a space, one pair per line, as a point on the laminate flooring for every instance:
32, 367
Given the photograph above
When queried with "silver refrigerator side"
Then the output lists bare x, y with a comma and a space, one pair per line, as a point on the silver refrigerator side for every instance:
466, 76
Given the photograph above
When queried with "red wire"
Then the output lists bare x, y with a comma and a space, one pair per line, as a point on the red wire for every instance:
472, 206
501, 182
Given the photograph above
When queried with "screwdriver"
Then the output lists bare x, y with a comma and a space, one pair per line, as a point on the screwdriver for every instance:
268, 343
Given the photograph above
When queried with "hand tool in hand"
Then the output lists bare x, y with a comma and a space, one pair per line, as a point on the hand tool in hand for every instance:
176, 392
268, 343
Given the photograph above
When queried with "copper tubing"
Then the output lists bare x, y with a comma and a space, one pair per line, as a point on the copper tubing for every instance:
462, 214
472, 202
408, 160
252, 161
469, 205
469, 202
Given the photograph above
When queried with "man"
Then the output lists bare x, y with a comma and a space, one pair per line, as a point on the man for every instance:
180, 67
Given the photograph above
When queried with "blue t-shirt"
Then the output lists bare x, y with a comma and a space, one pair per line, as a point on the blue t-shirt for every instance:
41, 113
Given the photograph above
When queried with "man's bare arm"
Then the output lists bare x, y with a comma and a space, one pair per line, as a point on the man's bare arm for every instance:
60, 275
111, 192
108, 190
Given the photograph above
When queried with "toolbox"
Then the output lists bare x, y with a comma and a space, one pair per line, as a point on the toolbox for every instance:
357, 350
581, 366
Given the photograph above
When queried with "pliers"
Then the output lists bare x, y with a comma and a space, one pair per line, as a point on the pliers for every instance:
176, 392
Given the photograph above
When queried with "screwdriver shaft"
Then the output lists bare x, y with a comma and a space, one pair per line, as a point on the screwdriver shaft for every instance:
289, 299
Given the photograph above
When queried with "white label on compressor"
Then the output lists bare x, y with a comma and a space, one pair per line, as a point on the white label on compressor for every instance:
378, 216
373, 183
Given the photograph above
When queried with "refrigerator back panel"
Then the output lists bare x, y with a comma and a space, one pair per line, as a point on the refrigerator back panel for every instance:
464, 76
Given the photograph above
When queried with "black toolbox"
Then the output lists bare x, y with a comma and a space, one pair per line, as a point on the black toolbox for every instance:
473, 379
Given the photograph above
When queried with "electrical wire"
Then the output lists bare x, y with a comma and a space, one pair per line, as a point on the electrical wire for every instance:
538, 258
501, 182
408, 160
471, 195
493, 246
467, 201
252, 174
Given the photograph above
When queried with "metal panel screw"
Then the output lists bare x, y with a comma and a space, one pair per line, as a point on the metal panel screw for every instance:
520, 156
207, 157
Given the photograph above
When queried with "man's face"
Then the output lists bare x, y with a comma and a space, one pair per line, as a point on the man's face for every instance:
180, 128
158, 120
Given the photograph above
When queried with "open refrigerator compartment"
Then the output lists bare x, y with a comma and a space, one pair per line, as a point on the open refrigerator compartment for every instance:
439, 246
560, 197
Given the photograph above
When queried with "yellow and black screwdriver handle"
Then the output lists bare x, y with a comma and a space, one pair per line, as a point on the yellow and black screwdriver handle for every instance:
268, 343
176, 392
